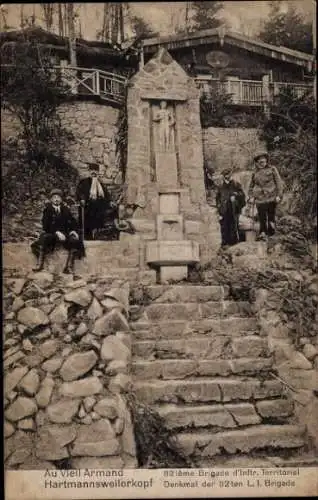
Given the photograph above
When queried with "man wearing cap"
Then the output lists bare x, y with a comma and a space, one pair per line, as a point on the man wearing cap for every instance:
59, 228
265, 190
230, 199
94, 202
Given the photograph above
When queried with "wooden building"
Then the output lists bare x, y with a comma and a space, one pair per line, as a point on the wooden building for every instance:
250, 70
101, 71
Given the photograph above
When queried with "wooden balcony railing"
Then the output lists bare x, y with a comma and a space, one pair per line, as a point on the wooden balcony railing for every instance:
96, 82
90, 82
251, 92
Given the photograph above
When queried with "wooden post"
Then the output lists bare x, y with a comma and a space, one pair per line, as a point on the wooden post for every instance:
142, 59
97, 89
266, 95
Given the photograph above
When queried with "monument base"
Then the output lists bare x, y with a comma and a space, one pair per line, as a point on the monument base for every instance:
172, 253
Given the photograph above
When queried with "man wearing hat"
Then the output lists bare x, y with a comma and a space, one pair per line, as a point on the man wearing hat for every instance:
265, 190
94, 202
59, 228
230, 199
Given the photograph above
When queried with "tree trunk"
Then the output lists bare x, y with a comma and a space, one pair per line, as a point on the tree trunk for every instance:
60, 19
71, 34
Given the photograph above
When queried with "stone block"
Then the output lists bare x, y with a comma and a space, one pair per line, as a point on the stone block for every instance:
12, 379
188, 311
30, 383
63, 411
21, 408
77, 365
173, 273
192, 228
170, 227
166, 169
244, 441
243, 413
52, 441
178, 417
238, 389
276, 408
210, 368
250, 365
184, 293
249, 346
172, 252
175, 391
170, 369
169, 203
81, 388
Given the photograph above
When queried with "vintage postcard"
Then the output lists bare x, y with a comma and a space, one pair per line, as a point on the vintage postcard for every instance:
159, 215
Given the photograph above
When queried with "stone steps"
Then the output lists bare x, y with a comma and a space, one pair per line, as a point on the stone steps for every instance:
202, 347
225, 416
161, 294
168, 369
199, 361
195, 311
176, 329
204, 445
205, 389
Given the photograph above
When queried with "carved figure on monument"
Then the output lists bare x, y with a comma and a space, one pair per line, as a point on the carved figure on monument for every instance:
166, 124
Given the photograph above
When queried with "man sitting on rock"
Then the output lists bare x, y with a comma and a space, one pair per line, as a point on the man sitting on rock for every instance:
59, 229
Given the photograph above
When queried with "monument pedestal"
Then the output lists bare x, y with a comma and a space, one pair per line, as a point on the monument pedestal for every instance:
171, 253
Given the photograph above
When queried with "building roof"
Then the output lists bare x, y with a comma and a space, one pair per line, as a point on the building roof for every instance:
231, 38
60, 43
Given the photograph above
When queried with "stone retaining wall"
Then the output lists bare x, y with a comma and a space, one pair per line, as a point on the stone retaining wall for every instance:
67, 356
230, 148
94, 127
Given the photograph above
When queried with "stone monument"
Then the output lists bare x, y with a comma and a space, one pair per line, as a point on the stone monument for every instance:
164, 174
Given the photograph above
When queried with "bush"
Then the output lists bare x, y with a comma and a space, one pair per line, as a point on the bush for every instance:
290, 135
33, 92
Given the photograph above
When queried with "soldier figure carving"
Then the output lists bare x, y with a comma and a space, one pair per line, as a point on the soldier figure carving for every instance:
166, 124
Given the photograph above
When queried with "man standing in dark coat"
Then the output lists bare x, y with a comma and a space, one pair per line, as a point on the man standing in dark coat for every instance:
230, 199
59, 228
94, 202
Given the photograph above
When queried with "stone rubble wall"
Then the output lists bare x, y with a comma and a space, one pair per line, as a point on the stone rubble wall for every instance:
67, 357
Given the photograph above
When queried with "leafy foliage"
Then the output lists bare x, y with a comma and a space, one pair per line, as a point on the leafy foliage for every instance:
122, 138
213, 106
33, 161
290, 135
32, 92
205, 15
288, 29
295, 293
156, 444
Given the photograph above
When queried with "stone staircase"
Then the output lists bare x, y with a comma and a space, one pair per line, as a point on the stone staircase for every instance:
199, 360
